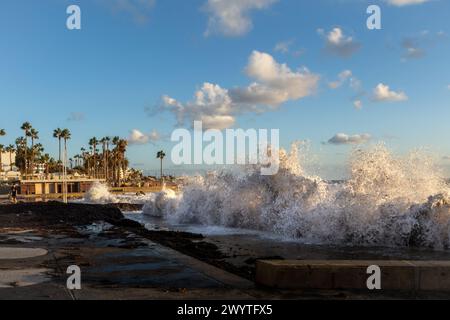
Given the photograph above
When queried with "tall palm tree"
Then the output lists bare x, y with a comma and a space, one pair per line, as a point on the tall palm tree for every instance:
105, 145
10, 149
26, 127
93, 142
115, 142
57, 134
2, 134
121, 149
2, 149
20, 158
34, 135
65, 135
161, 155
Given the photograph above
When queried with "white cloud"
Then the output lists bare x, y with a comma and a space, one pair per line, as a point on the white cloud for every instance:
275, 83
382, 93
283, 46
342, 78
448, 87
217, 107
358, 104
345, 139
212, 105
137, 137
402, 3
337, 43
232, 17
139, 10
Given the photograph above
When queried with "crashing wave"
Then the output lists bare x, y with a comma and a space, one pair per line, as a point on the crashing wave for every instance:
99, 193
388, 201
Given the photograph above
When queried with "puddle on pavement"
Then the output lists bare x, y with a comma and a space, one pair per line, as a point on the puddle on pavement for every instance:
11, 253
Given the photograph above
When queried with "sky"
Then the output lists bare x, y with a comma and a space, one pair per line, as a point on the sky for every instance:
141, 68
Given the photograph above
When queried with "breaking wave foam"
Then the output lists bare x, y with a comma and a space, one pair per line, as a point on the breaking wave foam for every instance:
388, 201
100, 194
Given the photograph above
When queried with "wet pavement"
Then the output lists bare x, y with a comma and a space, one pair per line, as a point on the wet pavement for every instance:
120, 260
110, 271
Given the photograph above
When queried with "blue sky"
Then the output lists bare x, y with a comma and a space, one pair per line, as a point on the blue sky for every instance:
102, 80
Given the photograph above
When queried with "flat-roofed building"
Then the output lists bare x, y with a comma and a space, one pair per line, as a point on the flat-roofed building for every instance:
54, 187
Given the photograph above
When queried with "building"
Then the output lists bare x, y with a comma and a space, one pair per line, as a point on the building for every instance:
53, 188
8, 170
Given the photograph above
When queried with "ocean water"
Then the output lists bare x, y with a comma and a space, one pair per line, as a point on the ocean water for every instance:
388, 201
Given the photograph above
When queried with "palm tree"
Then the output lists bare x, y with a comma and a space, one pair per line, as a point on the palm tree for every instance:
93, 142
10, 149
2, 149
45, 159
121, 149
20, 158
26, 127
161, 155
57, 134
65, 135
2, 134
115, 142
34, 135
105, 144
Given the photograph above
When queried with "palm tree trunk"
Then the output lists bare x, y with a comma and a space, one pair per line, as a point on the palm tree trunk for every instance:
32, 157
59, 143
162, 171
26, 156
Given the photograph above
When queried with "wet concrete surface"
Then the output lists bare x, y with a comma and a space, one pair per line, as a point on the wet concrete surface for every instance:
120, 260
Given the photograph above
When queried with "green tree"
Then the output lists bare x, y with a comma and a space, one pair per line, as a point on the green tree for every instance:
161, 155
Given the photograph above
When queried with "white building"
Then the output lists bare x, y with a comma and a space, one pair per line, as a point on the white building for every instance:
6, 173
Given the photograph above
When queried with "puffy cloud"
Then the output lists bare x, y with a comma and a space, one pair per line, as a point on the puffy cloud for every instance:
337, 43
139, 10
274, 84
137, 137
383, 93
212, 105
345, 139
232, 17
402, 3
